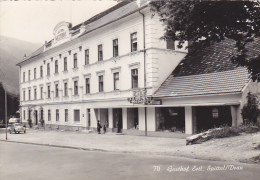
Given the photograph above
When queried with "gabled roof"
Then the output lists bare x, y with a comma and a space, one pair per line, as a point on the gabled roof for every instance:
208, 70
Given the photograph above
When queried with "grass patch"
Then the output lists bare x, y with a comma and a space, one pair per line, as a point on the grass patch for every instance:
223, 132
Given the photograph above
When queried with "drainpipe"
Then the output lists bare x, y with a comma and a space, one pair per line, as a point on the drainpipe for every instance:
20, 109
144, 51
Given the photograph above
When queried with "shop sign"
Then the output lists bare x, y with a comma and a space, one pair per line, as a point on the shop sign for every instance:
140, 97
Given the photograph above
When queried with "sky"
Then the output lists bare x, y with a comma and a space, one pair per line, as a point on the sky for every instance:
34, 21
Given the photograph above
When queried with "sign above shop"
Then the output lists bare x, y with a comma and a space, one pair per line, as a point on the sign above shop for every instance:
140, 97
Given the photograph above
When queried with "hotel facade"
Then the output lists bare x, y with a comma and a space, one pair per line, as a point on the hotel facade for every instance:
88, 72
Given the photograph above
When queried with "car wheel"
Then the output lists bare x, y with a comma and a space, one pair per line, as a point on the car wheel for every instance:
15, 132
24, 131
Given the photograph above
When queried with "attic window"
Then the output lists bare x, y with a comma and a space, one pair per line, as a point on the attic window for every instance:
76, 32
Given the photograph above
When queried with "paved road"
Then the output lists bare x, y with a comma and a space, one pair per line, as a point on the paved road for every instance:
26, 161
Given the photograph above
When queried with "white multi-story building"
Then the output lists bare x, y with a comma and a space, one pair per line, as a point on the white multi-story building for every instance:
87, 72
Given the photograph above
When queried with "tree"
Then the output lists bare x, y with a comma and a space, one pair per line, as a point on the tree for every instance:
203, 22
250, 111
12, 103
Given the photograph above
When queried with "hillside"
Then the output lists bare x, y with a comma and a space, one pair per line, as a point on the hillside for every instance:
11, 52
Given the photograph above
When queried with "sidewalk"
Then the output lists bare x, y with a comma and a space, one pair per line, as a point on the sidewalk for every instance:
219, 149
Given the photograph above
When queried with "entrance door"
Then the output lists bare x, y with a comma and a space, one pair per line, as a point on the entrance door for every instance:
36, 117
117, 119
89, 118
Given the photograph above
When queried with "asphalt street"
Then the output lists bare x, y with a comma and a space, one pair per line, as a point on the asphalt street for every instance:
26, 161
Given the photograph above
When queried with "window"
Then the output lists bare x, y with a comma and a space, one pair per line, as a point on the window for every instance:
100, 53
87, 86
76, 115
57, 90
86, 56
56, 66
34, 73
24, 95
65, 89
29, 94
75, 87
49, 92
215, 113
65, 64
41, 92
23, 76
41, 72
48, 69
170, 44
66, 115
57, 115
29, 74
101, 85
134, 73
23, 114
35, 93
116, 81
75, 60
49, 115
115, 47
133, 42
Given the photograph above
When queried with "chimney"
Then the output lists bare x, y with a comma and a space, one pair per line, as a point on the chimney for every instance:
141, 2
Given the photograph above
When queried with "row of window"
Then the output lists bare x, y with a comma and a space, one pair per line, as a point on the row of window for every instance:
57, 115
134, 76
133, 37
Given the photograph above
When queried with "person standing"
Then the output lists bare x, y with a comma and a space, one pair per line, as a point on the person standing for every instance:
30, 123
98, 127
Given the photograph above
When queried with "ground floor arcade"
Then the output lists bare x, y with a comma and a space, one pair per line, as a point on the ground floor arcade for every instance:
170, 117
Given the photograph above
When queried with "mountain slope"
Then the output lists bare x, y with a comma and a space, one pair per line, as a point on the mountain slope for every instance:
11, 52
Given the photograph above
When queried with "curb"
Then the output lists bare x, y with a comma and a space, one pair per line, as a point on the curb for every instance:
59, 146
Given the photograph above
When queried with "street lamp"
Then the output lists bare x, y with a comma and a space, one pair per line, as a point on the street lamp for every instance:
5, 108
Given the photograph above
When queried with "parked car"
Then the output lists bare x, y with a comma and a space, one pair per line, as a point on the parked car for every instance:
14, 120
2, 125
16, 128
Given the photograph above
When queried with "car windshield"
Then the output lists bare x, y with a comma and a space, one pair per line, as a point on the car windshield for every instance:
17, 124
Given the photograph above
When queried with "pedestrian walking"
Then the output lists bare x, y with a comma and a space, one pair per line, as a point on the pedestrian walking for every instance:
99, 127
105, 127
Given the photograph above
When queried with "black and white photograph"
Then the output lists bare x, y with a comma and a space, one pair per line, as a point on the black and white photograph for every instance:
129, 89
